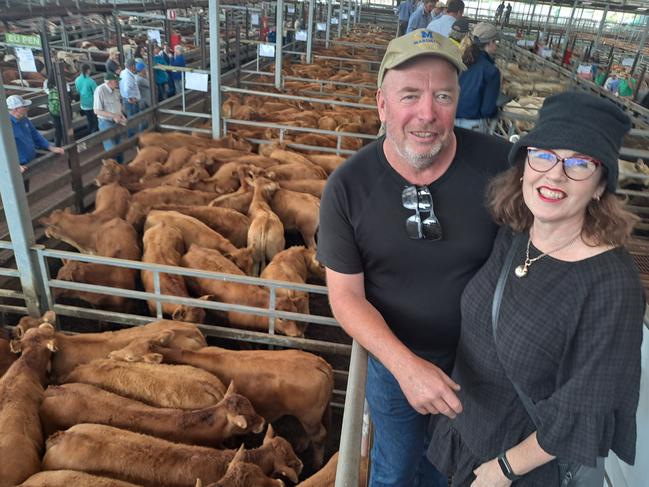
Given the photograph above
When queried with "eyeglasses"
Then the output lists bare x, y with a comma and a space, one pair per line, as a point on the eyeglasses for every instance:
577, 168
418, 198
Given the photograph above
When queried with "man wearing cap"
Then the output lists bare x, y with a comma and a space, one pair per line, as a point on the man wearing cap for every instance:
421, 16
459, 31
438, 11
406, 7
130, 92
403, 227
444, 24
108, 108
27, 138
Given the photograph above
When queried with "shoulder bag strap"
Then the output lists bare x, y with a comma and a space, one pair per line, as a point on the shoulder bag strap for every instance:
495, 312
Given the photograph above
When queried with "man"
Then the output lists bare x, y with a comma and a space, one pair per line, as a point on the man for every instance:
421, 16
499, 11
86, 87
130, 92
107, 105
438, 11
168, 55
27, 138
406, 8
508, 12
112, 63
403, 227
444, 24
161, 76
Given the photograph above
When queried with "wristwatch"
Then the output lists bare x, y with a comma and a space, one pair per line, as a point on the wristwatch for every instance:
506, 467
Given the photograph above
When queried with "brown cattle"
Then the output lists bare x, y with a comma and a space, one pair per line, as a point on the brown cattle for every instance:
164, 244
187, 177
159, 385
27, 322
113, 172
7, 357
295, 264
69, 478
326, 161
151, 461
266, 232
223, 154
171, 140
297, 170
243, 474
85, 347
239, 200
170, 195
196, 232
224, 180
112, 198
147, 157
326, 476
21, 391
310, 186
236, 293
70, 404
228, 222
298, 211
277, 382
177, 158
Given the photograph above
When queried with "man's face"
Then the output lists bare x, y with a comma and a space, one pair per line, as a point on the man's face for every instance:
428, 7
20, 113
417, 104
112, 84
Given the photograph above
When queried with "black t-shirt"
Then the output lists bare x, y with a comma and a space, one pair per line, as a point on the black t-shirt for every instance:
414, 284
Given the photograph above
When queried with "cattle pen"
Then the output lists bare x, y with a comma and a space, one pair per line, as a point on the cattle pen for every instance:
245, 73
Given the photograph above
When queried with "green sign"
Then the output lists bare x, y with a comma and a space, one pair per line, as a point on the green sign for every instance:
23, 40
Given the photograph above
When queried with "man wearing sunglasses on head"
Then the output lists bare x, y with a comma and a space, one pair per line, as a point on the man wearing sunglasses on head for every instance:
403, 227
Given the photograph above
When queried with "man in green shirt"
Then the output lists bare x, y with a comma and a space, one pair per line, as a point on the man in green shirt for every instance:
627, 86
86, 87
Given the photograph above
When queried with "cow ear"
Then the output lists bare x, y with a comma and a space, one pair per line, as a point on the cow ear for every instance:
15, 346
231, 389
46, 326
239, 456
238, 420
165, 337
51, 346
49, 316
270, 434
198, 483
152, 358
104, 162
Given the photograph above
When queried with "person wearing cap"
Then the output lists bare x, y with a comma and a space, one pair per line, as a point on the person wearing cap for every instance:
86, 87
438, 10
569, 325
444, 24
405, 10
179, 61
421, 16
112, 63
402, 229
130, 92
108, 108
459, 32
480, 83
27, 138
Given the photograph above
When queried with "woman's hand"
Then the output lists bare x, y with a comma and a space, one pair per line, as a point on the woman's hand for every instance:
489, 474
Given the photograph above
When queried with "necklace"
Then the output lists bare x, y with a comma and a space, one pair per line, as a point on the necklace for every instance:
521, 270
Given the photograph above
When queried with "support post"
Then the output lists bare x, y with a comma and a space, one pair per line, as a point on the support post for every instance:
118, 36
328, 31
237, 54
16, 209
643, 41
569, 28
64, 34
279, 41
341, 4
637, 86
600, 31
47, 54
215, 68
197, 29
153, 102
309, 34
167, 27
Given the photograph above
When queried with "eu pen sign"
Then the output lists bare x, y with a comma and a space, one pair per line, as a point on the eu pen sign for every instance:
23, 40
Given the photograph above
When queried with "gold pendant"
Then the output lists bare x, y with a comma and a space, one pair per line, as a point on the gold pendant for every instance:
521, 271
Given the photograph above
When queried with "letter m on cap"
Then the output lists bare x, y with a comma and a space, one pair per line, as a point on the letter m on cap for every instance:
426, 34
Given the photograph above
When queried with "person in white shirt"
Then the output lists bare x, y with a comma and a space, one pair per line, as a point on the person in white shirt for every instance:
130, 91
444, 24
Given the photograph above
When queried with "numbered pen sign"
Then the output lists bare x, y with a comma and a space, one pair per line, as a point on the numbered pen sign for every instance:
171, 14
26, 61
321, 26
628, 62
254, 19
266, 50
334, 21
344, 16
300, 35
290, 9
153, 35
196, 81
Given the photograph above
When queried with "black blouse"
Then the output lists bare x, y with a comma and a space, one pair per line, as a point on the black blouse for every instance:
569, 335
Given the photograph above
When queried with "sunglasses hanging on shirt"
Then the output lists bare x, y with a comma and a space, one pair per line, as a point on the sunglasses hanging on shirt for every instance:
418, 198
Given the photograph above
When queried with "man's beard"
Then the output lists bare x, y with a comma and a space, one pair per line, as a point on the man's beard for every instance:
418, 161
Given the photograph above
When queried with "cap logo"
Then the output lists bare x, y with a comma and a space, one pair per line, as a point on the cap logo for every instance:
427, 37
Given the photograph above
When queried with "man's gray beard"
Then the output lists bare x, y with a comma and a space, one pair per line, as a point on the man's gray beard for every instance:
416, 160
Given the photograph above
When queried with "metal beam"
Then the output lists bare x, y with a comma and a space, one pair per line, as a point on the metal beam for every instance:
600, 31
328, 31
643, 41
309, 34
215, 68
279, 41
16, 209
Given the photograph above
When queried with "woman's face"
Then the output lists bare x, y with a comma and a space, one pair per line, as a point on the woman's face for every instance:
554, 198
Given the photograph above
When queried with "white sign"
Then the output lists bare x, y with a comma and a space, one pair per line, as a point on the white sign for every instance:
154, 35
546, 53
584, 68
266, 50
300, 35
290, 9
321, 26
344, 16
353, 12
196, 81
254, 19
171, 14
25, 59
628, 62
334, 21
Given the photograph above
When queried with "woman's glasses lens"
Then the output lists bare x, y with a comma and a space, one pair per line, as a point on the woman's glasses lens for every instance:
576, 168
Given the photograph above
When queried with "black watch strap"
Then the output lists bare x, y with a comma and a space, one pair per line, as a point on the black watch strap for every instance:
506, 467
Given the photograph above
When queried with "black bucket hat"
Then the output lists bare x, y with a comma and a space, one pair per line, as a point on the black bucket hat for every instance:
580, 122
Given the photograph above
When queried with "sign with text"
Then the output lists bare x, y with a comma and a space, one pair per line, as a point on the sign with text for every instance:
171, 14
321, 26
154, 35
26, 61
334, 20
290, 9
23, 40
254, 19
628, 61
266, 50
300, 35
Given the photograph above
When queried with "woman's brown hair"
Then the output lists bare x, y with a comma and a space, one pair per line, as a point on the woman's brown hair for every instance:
607, 222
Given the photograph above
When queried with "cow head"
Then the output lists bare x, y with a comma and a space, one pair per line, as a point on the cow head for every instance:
143, 349
111, 172
29, 322
38, 344
285, 461
294, 305
242, 258
315, 268
189, 314
55, 217
243, 474
240, 414
190, 176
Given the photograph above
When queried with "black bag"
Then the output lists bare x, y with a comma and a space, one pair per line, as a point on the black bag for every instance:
570, 474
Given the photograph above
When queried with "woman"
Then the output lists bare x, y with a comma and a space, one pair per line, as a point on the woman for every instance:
112, 63
179, 61
480, 83
569, 328
86, 87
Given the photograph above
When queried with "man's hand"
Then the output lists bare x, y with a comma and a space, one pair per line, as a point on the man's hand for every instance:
428, 389
56, 150
23, 169
489, 474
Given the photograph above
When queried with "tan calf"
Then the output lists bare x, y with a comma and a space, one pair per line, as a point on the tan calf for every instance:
171, 140
326, 476
7, 357
159, 385
243, 474
169, 195
266, 232
70, 404
72, 478
298, 211
113, 172
145, 157
177, 158
187, 177
327, 162
21, 391
239, 200
112, 198
151, 461
297, 170
310, 186
235, 293
164, 244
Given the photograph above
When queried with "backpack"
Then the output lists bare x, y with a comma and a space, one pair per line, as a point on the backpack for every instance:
53, 102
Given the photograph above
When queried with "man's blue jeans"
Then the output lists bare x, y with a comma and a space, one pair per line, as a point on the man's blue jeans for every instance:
131, 109
400, 435
110, 143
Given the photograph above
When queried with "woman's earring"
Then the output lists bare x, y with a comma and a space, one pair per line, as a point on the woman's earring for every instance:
521, 179
597, 197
